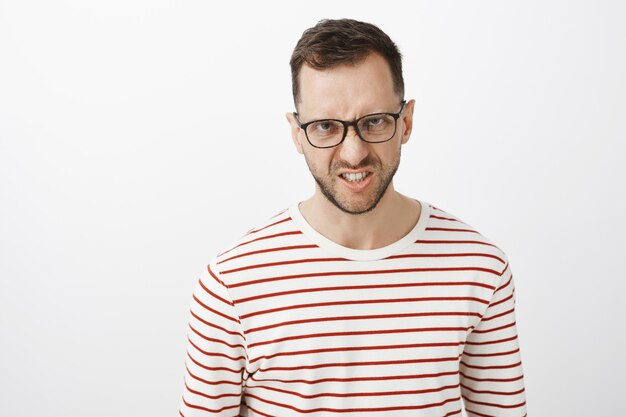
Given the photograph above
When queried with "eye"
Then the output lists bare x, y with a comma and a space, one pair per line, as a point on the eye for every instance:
323, 125
375, 121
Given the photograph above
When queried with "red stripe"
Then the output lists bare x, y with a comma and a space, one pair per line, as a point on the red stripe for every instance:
221, 355
478, 414
492, 342
221, 381
214, 311
349, 302
212, 410
215, 276
211, 396
519, 391
357, 394
353, 410
468, 242
360, 272
277, 249
259, 412
279, 213
450, 229
512, 379
356, 333
505, 285
368, 317
434, 216
354, 379
214, 368
215, 326
513, 365
269, 225
504, 300
494, 404
212, 294
295, 232
498, 315
362, 287
506, 326
445, 255
510, 352
279, 263
362, 363
212, 339
360, 348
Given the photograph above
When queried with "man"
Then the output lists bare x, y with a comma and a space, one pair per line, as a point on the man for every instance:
358, 300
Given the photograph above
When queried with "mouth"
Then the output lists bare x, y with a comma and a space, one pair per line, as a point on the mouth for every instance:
356, 181
355, 176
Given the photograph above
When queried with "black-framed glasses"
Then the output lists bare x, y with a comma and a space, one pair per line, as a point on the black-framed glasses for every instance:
372, 128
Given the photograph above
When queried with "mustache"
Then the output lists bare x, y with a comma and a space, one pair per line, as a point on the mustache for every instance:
365, 165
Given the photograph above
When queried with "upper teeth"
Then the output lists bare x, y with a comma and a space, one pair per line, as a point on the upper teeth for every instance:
357, 176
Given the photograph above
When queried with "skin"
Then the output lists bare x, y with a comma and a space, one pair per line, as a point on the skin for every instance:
378, 215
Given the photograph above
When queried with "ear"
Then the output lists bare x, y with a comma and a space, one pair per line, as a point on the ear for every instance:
295, 132
407, 120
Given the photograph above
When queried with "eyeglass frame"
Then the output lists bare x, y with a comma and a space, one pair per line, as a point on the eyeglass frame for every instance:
354, 123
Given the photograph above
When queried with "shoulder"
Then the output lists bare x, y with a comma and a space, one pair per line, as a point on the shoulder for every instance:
266, 233
448, 228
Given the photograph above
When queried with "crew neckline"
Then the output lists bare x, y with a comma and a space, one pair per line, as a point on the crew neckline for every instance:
361, 254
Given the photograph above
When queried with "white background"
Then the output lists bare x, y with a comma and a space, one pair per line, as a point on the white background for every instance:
138, 138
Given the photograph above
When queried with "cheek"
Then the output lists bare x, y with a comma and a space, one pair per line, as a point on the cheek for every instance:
391, 158
313, 164
321, 166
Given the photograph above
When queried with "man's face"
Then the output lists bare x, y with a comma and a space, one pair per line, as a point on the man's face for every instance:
347, 92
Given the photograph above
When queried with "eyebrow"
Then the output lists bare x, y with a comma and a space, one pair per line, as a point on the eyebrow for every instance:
339, 118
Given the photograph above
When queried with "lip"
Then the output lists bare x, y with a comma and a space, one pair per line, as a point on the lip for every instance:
357, 186
354, 171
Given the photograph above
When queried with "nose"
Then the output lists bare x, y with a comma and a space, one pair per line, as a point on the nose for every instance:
353, 150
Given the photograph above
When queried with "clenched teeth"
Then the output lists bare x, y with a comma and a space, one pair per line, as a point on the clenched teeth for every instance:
355, 177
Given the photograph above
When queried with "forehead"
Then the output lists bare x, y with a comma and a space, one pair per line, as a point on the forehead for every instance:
347, 90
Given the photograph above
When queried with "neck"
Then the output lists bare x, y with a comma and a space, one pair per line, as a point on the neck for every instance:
392, 218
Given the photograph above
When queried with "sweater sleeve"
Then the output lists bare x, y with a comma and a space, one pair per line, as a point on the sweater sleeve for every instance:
491, 374
216, 352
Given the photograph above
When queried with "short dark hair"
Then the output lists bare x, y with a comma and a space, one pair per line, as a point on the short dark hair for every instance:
332, 42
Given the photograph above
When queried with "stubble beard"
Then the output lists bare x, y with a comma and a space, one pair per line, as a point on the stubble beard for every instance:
329, 186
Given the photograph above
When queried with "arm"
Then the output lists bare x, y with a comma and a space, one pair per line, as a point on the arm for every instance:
216, 353
492, 380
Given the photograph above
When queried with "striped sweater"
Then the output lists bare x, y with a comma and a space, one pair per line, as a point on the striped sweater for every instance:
286, 322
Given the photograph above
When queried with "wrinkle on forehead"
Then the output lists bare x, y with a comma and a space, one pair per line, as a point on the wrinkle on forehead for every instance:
347, 91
